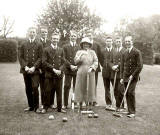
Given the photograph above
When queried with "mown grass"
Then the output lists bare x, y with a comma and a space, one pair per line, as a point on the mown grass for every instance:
14, 121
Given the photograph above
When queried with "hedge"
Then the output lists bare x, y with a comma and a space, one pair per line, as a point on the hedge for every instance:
157, 58
8, 50
147, 52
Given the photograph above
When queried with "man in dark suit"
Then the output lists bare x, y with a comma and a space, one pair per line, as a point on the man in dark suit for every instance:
116, 60
45, 42
70, 67
105, 61
30, 60
53, 60
131, 66
97, 49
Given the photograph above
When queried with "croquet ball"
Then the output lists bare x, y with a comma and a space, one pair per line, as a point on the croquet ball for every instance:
90, 116
95, 115
51, 117
65, 119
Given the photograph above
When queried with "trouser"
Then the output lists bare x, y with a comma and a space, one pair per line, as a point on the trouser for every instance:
130, 96
53, 85
31, 86
42, 87
106, 82
52, 96
96, 81
67, 86
118, 93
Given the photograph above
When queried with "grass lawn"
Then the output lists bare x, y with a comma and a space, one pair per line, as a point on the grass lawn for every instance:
14, 121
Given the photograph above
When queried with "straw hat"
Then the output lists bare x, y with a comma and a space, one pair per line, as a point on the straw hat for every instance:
86, 40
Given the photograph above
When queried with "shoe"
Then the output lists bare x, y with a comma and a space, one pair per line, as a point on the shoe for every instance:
43, 111
53, 106
28, 109
76, 106
64, 107
42, 107
120, 110
131, 115
95, 104
38, 110
110, 108
62, 111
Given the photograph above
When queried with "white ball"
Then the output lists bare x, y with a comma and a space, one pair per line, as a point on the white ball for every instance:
51, 117
65, 119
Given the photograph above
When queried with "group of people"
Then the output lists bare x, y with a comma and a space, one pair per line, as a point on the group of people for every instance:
43, 62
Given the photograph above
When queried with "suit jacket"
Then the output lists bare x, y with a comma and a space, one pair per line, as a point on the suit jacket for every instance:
44, 45
53, 58
132, 64
30, 54
105, 61
116, 60
97, 50
69, 54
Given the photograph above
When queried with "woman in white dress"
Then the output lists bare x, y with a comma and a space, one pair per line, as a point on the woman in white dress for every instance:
87, 62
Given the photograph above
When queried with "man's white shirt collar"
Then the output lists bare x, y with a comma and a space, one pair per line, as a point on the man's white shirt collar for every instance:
130, 49
54, 46
119, 49
109, 49
31, 40
43, 40
72, 43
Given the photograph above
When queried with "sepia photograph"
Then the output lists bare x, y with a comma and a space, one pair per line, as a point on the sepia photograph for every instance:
79, 67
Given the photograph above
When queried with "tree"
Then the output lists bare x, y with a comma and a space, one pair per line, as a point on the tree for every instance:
155, 22
121, 27
7, 27
68, 15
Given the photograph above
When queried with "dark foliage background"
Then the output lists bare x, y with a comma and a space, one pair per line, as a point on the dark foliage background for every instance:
8, 50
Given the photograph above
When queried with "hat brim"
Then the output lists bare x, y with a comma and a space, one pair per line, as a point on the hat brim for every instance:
81, 44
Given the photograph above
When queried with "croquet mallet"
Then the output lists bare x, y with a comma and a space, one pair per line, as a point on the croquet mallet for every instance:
116, 113
112, 93
87, 111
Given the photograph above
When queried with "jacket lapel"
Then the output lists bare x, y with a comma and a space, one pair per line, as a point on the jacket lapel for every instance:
130, 55
31, 46
54, 52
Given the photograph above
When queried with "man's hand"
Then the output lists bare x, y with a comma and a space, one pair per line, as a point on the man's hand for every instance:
90, 70
121, 81
31, 70
26, 68
131, 77
73, 68
57, 72
115, 67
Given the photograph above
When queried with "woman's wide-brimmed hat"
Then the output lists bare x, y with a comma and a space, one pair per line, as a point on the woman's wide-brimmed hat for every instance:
86, 40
